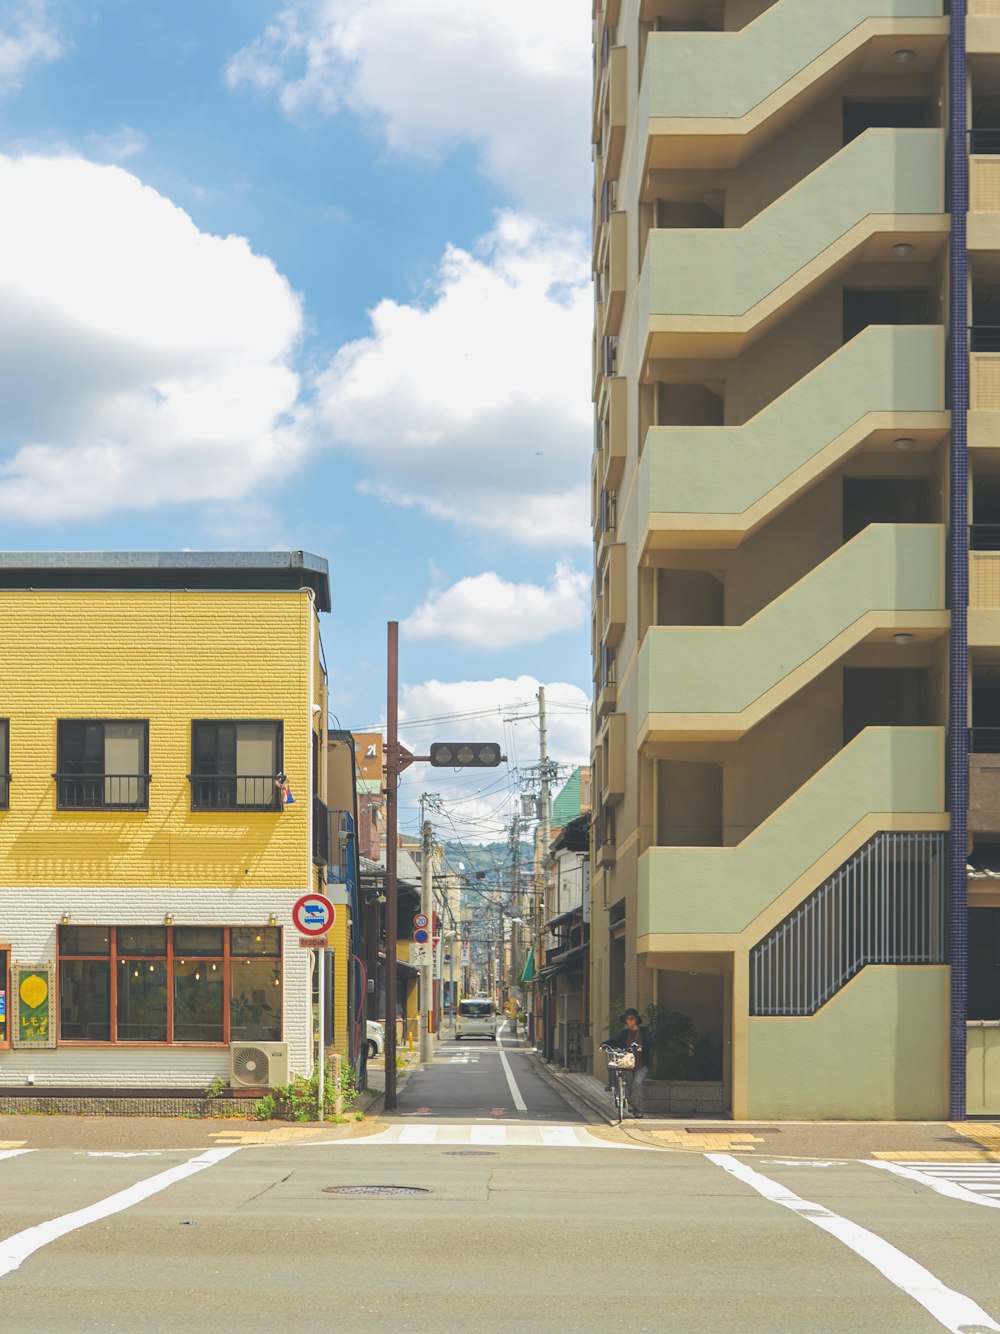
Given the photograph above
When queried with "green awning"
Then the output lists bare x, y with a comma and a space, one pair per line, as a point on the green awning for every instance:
528, 972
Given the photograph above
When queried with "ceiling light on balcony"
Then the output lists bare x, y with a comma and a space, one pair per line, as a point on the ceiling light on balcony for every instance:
902, 639
904, 56
902, 249
904, 442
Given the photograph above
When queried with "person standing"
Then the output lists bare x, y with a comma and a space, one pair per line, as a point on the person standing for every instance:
636, 1034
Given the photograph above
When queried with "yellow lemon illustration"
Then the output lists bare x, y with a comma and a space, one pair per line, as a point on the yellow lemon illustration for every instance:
33, 991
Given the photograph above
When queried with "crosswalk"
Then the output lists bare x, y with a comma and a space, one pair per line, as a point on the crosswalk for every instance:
972, 1182
474, 1135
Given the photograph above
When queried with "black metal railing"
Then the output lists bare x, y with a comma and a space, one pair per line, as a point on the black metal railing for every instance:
984, 537
321, 833
102, 792
984, 740
984, 141
235, 792
5, 791
984, 338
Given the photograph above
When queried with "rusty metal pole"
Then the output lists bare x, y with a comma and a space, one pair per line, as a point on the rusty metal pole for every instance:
391, 892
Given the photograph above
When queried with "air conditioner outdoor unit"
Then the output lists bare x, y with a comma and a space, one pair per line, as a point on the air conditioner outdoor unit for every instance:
258, 1064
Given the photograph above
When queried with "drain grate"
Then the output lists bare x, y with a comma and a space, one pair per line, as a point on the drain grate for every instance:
469, 1153
375, 1190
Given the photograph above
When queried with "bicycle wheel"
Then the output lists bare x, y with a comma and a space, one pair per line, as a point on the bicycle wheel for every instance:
621, 1099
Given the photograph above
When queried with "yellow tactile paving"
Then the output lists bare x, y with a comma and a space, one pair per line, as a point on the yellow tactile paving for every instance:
707, 1141
983, 1132
284, 1135
12, 1143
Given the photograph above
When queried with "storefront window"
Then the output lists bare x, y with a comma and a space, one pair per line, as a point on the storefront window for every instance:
168, 984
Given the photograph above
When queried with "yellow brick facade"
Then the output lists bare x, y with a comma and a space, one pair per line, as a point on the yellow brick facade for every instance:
166, 657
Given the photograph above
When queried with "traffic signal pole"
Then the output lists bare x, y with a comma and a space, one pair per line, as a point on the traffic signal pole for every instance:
392, 772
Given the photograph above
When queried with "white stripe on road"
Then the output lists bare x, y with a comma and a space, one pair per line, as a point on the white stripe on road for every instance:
951, 1309
519, 1102
488, 1135
944, 1185
417, 1135
13, 1153
16, 1249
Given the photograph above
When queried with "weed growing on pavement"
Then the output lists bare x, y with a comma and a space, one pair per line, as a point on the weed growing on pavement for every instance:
299, 1100
217, 1088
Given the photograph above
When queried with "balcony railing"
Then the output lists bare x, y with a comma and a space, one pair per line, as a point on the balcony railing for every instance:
234, 792
321, 833
99, 792
984, 338
984, 740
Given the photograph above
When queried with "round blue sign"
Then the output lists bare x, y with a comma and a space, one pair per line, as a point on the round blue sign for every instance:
421, 935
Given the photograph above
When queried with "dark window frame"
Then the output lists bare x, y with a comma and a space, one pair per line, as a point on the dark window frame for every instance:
217, 792
87, 791
5, 774
115, 958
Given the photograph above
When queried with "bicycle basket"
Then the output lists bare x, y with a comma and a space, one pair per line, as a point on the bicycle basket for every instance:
626, 1061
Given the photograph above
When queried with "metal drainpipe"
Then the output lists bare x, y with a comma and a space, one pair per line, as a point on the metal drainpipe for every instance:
958, 552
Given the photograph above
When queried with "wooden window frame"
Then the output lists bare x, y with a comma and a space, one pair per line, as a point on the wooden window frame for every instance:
114, 957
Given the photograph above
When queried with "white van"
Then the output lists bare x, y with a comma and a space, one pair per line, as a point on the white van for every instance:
476, 1018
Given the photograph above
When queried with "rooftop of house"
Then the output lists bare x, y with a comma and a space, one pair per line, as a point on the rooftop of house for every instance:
230, 571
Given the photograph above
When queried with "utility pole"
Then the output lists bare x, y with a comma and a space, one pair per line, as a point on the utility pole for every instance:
541, 871
427, 908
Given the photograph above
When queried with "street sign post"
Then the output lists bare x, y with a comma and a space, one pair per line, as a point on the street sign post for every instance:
313, 915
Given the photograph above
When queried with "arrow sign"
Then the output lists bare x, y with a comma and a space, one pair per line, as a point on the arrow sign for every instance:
314, 914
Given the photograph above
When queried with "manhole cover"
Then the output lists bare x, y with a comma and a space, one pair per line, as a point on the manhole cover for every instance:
375, 1190
469, 1153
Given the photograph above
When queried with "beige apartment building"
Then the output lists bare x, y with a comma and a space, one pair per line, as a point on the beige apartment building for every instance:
796, 506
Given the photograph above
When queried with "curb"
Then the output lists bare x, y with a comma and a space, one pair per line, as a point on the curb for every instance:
594, 1108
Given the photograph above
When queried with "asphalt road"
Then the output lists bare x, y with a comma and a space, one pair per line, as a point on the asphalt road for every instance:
514, 1218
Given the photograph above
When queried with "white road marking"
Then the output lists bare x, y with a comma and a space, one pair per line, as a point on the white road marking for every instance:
417, 1135
519, 1102
16, 1249
488, 1135
973, 1185
510, 1135
951, 1309
13, 1153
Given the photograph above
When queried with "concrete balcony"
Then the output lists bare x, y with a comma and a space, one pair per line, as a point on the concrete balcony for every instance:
708, 292
716, 682
887, 777
711, 99
713, 485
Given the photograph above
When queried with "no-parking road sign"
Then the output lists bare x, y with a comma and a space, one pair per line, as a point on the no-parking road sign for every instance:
314, 914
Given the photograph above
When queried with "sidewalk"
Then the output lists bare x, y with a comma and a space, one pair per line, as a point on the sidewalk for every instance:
900, 1140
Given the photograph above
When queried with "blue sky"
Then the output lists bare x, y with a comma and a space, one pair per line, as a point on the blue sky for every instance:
316, 275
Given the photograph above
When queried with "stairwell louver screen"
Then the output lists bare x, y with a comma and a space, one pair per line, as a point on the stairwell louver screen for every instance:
885, 905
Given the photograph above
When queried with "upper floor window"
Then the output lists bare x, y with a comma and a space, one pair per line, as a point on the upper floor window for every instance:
236, 766
4, 767
102, 764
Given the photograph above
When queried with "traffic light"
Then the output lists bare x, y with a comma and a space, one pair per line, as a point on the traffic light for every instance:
466, 755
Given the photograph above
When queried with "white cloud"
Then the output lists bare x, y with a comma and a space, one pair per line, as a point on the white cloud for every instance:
28, 36
141, 360
480, 802
119, 145
513, 79
476, 405
489, 612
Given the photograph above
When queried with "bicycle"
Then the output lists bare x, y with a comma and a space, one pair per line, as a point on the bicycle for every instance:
620, 1059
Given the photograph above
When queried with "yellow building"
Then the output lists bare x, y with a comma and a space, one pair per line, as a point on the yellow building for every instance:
163, 715
784, 470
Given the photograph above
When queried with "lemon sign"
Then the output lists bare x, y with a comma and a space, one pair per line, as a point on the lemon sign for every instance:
33, 1023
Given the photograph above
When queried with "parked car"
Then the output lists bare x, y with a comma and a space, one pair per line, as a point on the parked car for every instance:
374, 1038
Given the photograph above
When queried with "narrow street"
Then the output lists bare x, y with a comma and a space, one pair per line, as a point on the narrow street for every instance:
485, 1201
